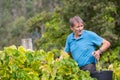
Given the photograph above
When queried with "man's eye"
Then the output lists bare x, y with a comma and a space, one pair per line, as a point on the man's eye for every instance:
81, 26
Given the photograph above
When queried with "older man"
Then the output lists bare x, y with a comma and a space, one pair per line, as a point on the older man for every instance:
82, 43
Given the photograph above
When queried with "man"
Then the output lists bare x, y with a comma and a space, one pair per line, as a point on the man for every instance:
81, 44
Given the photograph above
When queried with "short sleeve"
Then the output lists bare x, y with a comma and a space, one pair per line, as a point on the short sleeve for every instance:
67, 47
96, 39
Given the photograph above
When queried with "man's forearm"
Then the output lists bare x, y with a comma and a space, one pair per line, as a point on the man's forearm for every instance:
105, 46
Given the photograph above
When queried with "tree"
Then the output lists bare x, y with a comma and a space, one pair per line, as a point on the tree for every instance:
97, 15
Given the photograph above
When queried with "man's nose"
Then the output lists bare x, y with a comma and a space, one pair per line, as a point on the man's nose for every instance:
79, 28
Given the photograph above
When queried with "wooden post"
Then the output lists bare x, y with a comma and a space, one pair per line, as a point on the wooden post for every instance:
27, 43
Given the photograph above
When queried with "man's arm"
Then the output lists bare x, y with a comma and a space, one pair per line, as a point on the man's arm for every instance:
105, 45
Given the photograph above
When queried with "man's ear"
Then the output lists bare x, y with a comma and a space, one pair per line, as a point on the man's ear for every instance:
71, 28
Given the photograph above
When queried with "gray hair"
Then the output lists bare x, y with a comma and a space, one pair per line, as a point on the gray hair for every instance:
75, 19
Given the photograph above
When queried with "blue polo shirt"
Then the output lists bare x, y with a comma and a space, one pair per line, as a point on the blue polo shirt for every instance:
81, 49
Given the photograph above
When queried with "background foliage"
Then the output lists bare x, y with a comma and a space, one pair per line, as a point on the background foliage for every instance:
21, 64
47, 22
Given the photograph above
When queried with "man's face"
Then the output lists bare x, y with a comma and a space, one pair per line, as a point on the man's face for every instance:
77, 28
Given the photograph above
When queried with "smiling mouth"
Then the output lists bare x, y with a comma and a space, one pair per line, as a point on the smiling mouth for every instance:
80, 31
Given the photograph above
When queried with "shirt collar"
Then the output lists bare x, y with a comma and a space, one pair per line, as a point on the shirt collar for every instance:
80, 37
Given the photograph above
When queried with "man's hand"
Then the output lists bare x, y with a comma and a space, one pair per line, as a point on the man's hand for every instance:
96, 54
104, 47
63, 55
